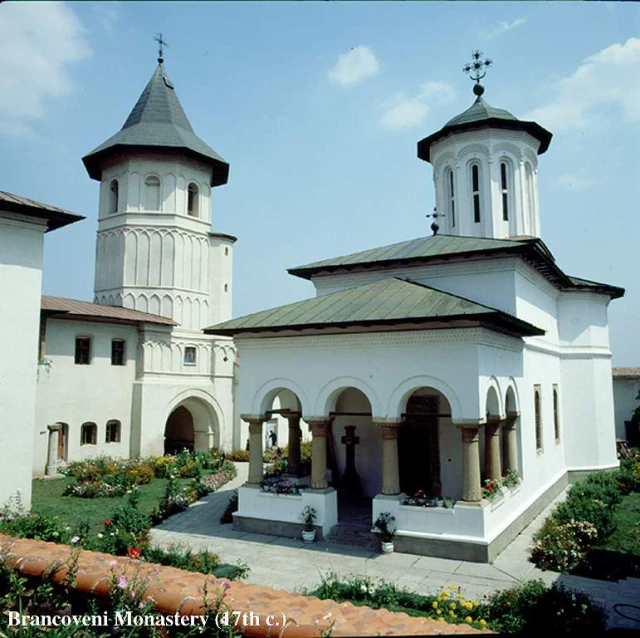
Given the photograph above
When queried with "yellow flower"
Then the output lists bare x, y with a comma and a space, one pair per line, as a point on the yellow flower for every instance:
483, 622
434, 604
439, 611
452, 614
475, 603
452, 606
468, 619
452, 587
460, 597
441, 620
444, 593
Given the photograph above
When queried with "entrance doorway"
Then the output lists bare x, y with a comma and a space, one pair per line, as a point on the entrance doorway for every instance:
179, 433
419, 446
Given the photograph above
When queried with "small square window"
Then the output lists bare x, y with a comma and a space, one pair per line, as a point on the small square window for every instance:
83, 350
190, 356
117, 352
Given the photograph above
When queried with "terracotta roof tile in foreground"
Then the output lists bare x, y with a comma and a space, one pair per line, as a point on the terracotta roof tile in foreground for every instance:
88, 311
180, 592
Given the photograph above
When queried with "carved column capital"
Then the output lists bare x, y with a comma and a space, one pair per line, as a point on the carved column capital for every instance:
511, 419
319, 427
390, 431
469, 432
253, 418
56, 427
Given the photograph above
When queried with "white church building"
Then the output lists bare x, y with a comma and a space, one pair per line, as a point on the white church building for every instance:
431, 365
450, 360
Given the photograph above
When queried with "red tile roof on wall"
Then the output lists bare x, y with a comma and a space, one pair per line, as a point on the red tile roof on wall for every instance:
627, 373
56, 217
179, 592
96, 312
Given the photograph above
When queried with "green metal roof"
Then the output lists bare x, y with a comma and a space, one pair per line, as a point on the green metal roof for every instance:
158, 121
482, 115
422, 248
391, 301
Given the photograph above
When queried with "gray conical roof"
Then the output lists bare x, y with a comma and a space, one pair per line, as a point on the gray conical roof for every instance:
482, 115
158, 121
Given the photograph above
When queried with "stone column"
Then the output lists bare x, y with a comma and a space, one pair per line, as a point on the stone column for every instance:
390, 466
319, 429
295, 434
471, 487
492, 464
511, 448
55, 432
256, 466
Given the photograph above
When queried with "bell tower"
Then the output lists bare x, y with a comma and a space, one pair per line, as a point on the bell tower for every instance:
155, 250
485, 164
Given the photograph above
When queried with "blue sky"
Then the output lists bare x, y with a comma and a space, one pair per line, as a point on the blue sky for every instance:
318, 107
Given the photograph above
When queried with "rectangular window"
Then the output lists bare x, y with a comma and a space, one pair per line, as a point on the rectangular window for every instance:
505, 191
89, 434
113, 432
190, 356
117, 352
452, 200
475, 179
83, 350
537, 413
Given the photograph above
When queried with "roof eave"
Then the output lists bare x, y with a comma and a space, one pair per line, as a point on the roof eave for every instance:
94, 160
496, 321
55, 218
533, 128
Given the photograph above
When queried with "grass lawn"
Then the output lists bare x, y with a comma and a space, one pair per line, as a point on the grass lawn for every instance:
619, 556
47, 499
626, 537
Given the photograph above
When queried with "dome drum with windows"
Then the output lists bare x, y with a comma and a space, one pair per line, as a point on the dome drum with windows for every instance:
485, 168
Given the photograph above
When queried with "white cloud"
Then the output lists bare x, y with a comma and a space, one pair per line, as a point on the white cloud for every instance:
502, 27
604, 84
39, 41
403, 111
108, 13
353, 67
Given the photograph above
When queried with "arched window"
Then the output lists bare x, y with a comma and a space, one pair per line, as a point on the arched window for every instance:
537, 411
112, 434
113, 196
89, 434
504, 189
475, 192
193, 200
451, 195
152, 194
531, 202
556, 414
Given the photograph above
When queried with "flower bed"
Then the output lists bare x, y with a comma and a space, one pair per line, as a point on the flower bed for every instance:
282, 486
529, 608
106, 477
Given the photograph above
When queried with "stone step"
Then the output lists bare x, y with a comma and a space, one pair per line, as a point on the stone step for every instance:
351, 535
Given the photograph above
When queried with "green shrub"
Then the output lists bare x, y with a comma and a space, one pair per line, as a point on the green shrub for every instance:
127, 528
533, 609
36, 527
561, 546
585, 507
241, 456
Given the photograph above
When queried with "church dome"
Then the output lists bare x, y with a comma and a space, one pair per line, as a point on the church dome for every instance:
482, 115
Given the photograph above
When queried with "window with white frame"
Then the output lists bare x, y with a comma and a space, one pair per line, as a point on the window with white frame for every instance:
190, 355
83, 351
118, 352
193, 200
451, 195
112, 433
475, 192
504, 189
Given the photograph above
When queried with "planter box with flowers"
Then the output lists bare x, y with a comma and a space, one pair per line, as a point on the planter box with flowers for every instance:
422, 499
280, 486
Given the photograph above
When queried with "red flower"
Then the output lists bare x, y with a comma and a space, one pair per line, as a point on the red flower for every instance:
107, 521
134, 553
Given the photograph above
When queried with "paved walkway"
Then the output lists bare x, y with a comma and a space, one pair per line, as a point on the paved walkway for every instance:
285, 563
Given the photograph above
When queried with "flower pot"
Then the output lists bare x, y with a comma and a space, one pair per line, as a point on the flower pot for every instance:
308, 535
387, 547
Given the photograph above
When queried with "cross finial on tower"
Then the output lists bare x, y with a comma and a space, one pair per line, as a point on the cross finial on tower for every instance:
435, 227
161, 44
477, 69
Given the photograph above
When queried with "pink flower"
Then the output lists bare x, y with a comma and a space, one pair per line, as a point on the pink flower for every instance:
74, 540
122, 582
133, 593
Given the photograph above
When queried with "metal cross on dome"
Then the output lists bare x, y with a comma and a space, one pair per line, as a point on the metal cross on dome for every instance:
161, 44
477, 68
